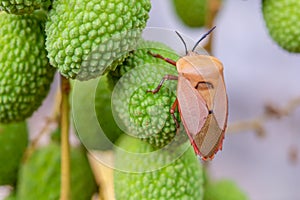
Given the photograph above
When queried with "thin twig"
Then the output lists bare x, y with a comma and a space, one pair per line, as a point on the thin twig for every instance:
35, 141
53, 119
257, 124
293, 154
65, 143
213, 9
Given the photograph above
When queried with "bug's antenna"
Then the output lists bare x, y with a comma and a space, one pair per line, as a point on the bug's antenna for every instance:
204, 36
186, 51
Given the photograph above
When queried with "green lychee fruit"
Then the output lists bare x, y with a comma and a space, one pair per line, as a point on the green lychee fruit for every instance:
141, 113
180, 179
25, 74
192, 12
39, 177
95, 124
141, 55
224, 190
23, 6
282, 18
88, 37
13, 142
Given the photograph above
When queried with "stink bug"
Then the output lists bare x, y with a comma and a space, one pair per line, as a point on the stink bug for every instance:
201, 99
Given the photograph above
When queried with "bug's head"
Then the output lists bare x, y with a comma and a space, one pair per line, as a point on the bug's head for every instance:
197, 43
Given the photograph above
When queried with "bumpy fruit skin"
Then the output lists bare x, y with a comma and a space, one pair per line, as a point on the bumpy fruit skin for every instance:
23, 6
282, 18
181, 179
87, 37
151, 115
146, 115
224, 190
39, 177
25, 74
191, 12
141, 55
13, 142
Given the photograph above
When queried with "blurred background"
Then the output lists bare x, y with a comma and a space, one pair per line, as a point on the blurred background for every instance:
257, 73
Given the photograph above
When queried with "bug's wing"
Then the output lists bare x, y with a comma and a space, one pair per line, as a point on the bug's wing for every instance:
210, 138
221, 104
192, 107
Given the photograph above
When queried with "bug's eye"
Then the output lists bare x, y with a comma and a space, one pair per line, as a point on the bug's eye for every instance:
202, 85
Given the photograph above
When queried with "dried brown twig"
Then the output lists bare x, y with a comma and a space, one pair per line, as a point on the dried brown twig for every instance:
49, 121
270, 112
214, 7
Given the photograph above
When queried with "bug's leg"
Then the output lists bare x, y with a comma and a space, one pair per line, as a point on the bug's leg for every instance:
172, 62
166, 77
172, 111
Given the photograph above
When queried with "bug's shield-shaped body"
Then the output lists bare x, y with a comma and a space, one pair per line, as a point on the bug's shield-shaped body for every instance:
202, 101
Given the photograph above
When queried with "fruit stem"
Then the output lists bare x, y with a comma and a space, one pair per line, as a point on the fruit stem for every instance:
213, 8
65, 143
